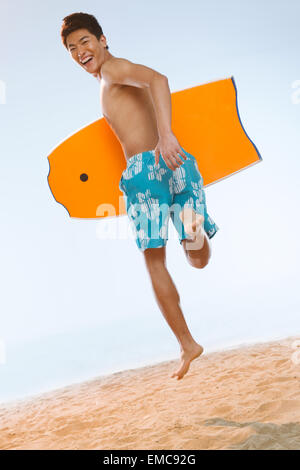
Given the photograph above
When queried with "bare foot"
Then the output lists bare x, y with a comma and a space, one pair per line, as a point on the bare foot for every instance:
187, 356
193, 226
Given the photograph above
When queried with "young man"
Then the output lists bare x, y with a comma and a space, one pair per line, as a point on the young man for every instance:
136, 102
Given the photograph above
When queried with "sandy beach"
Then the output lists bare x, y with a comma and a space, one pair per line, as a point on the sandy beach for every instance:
243, 398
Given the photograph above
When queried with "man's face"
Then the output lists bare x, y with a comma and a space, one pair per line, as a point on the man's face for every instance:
83, 45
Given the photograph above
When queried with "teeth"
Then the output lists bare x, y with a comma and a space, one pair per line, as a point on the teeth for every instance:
86, 60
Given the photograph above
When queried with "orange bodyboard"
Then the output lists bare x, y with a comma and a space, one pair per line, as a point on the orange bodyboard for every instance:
86, 168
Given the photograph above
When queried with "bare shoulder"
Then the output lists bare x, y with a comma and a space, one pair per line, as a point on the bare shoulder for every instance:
113, 61
123, 71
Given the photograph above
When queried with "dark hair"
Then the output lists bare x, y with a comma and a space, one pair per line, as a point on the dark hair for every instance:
77, 21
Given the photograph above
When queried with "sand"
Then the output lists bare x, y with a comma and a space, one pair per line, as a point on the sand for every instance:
243, 398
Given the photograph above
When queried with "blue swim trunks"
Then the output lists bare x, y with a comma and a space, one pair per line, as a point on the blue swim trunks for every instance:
154, 193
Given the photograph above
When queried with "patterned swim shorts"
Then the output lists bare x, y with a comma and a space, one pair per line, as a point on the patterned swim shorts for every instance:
153, 193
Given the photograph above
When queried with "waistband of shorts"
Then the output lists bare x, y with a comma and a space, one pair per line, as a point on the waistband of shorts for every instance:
143, 155
139, 156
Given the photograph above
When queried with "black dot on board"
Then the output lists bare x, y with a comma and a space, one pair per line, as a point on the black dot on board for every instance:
84, 177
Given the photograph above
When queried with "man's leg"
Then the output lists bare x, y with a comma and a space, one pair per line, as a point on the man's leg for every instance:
168, 301
197, 258
197, 249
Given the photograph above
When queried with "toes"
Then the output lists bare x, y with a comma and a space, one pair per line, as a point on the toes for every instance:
180, 373
176, 374
178, 377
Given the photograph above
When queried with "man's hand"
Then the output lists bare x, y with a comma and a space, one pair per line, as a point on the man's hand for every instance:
169, 149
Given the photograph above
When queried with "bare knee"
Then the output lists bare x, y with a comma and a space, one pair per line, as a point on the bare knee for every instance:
198, 258
198, 264
155, 257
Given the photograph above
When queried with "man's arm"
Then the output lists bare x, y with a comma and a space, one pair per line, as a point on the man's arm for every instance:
124, 72
161, 97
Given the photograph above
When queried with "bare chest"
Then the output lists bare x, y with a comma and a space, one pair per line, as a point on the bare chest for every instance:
130, 113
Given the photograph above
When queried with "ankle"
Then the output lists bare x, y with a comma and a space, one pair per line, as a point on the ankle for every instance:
187, 342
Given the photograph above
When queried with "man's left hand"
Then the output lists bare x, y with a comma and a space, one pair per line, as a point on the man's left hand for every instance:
169, 149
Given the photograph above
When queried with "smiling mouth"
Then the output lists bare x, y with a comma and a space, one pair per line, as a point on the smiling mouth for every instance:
88, 62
